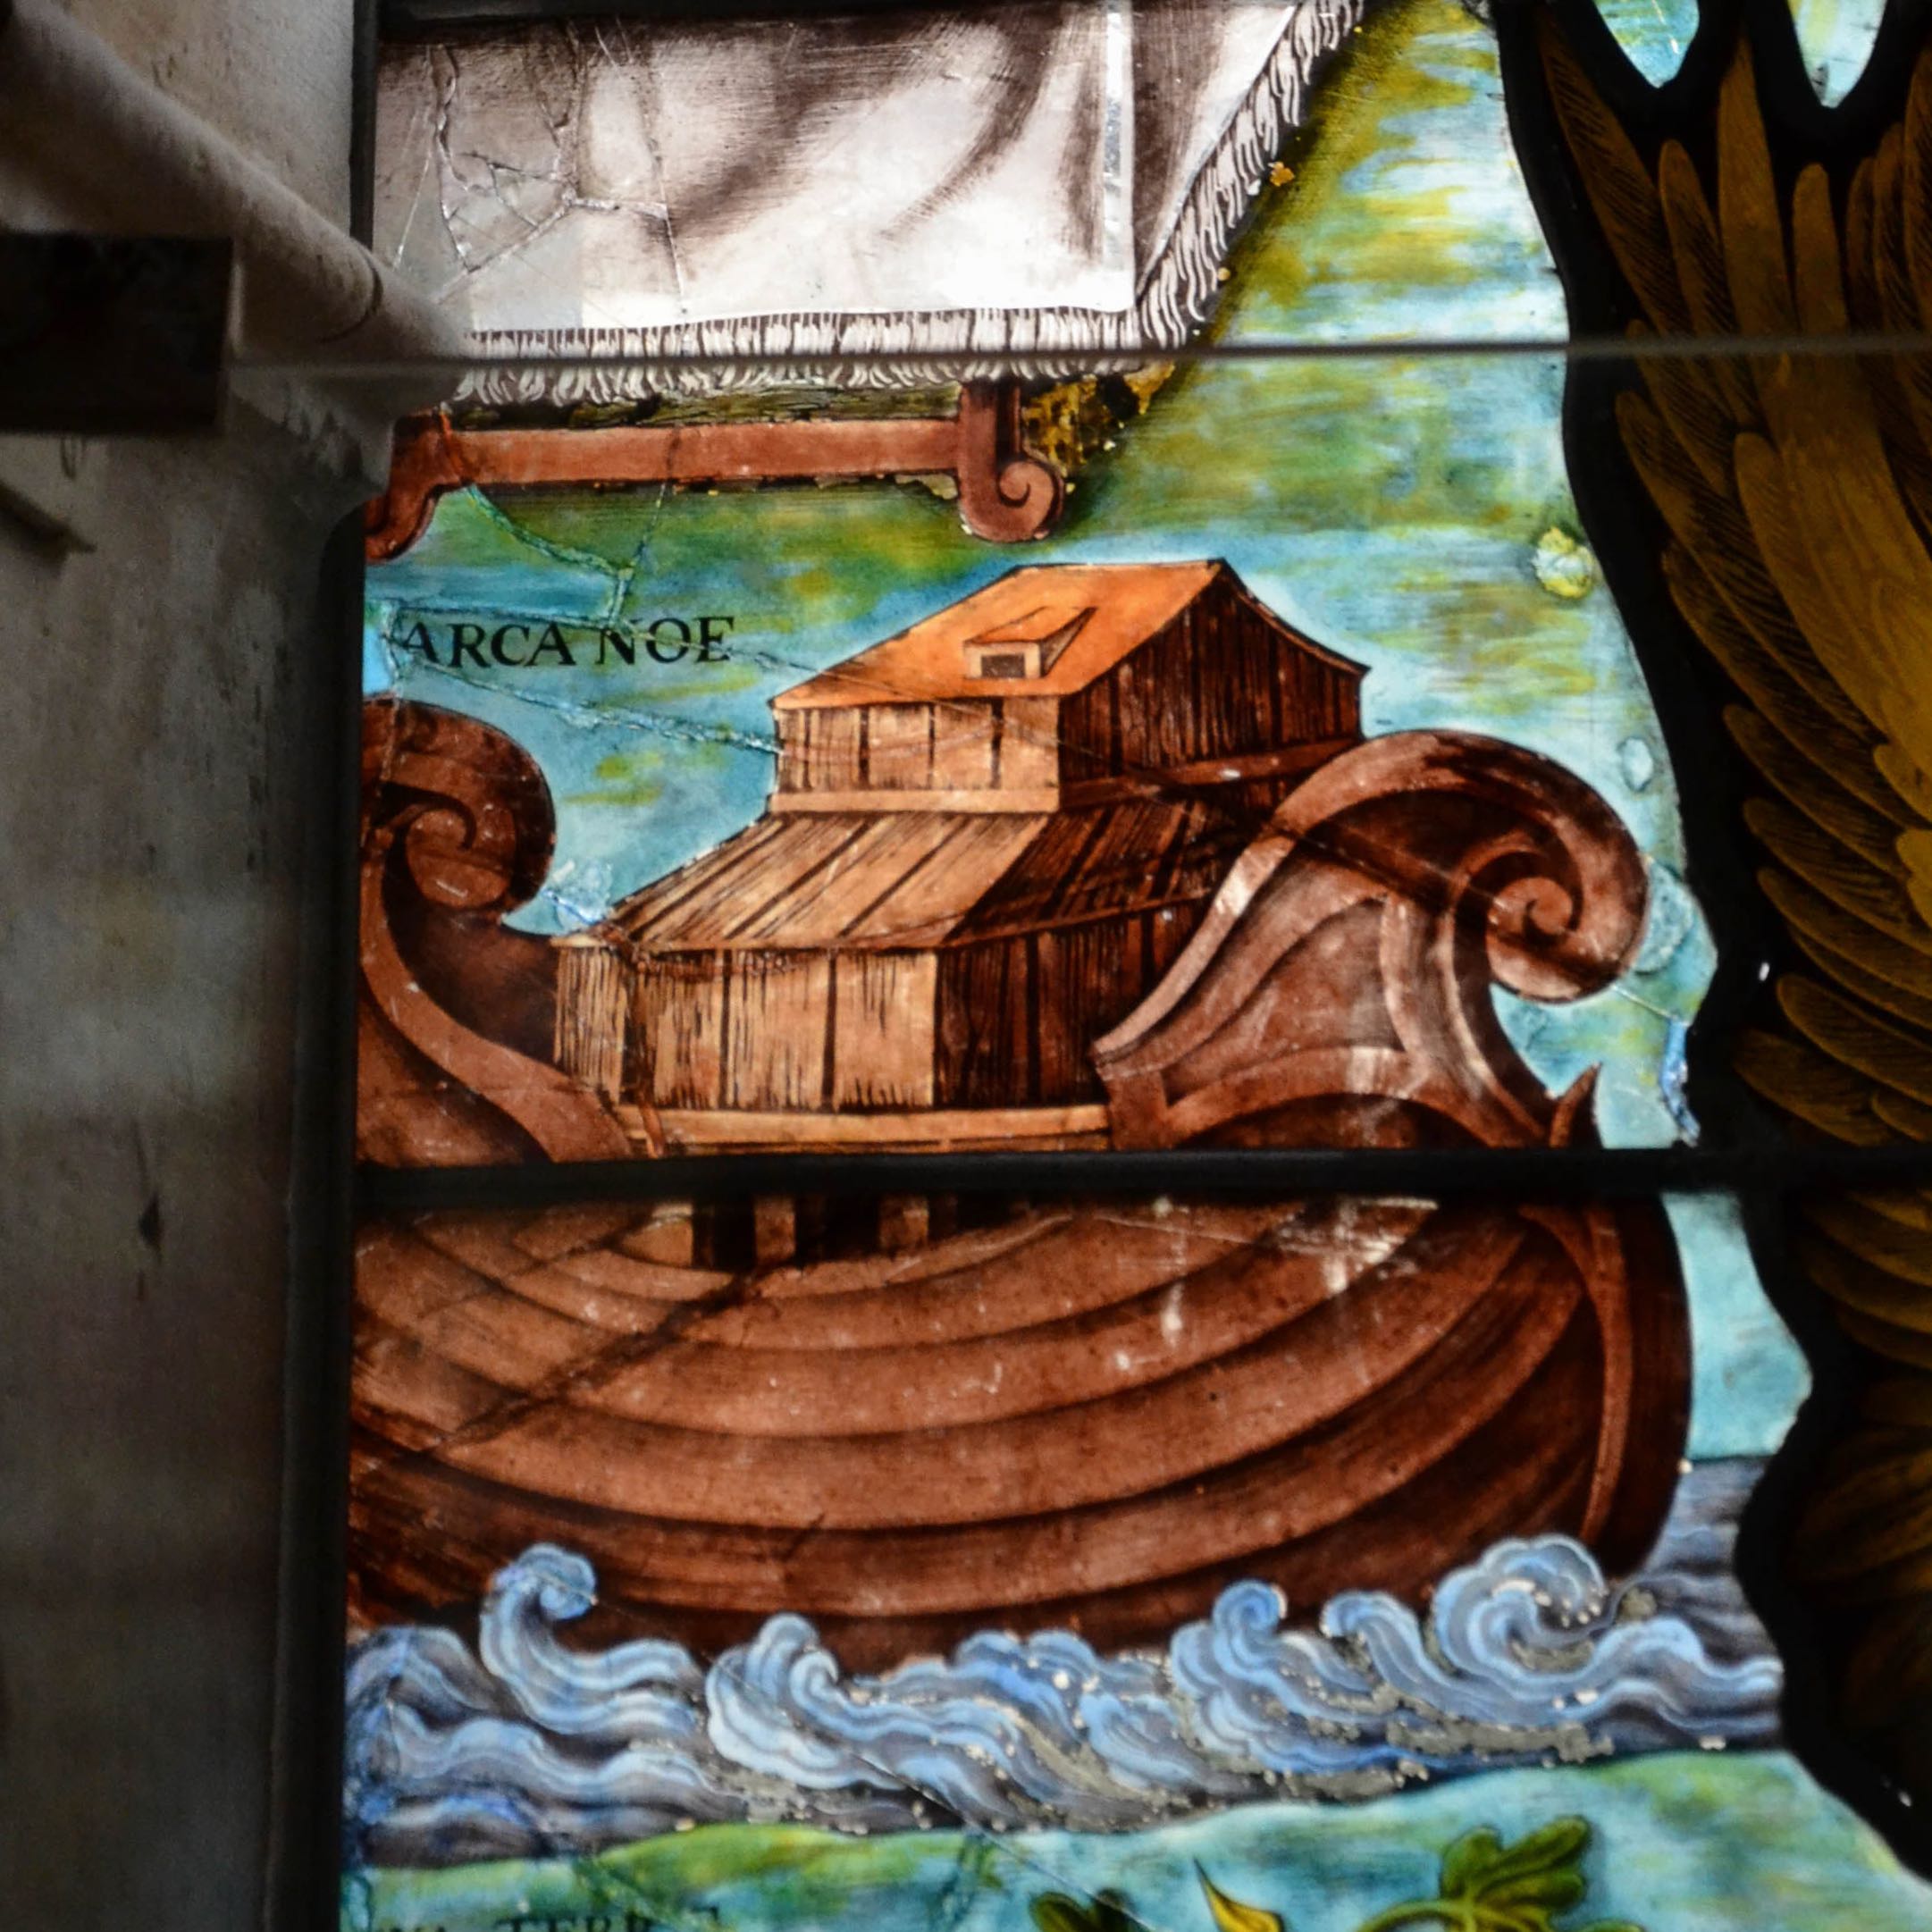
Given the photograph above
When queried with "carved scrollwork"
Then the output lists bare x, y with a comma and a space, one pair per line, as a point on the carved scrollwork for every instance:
424, 467
1338, 991
1006, 494
464, 808
455, 1011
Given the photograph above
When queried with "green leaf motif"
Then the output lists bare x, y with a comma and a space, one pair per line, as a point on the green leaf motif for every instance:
1484, 1885
1480, 1866
1489, 1887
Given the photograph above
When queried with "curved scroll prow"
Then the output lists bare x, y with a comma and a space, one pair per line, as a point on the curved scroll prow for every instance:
453, 1011
1338, 992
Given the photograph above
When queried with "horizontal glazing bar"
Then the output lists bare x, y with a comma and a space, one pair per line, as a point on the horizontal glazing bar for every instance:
1061, 360
1537, 1172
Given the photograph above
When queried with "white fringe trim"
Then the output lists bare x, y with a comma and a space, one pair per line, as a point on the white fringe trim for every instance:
906, 350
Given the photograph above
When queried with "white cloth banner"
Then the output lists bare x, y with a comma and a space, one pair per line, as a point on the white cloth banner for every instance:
1013, 175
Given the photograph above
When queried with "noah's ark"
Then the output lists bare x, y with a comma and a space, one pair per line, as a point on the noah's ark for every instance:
1093, 858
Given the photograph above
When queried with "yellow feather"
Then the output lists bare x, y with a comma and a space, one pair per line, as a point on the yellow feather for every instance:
1747, 207
1699, 255
1231, 1916
1863, 898
1909, 1009
1829, 522
1900, 387
1873, 1237
1811, 916
1871, 1291
1844, 751
1907, 774
1890, 269
1915, 205
1861, 247
1915, 850
1892, 275
1901, 1207
1819, 1091
1777, 536
1815, 256
1878, 897
1810, 786
1878, 1513
1887, 1339
1728, 547
1855, 1039
1905, 1117
1686, 398
1904, 1400
1892, 1668
1621, 191
1850, 561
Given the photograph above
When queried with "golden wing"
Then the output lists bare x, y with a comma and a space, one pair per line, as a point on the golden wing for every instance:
1796, 489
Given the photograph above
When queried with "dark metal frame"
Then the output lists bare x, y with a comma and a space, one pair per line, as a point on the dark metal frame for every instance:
1774, 1165
305, 1846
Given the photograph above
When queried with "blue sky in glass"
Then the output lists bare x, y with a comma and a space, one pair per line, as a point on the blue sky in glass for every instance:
1834, 36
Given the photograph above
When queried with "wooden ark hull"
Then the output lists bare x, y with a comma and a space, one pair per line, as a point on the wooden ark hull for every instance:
1090, 1416
1073, 1413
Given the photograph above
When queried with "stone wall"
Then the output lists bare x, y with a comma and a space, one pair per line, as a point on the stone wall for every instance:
173, 651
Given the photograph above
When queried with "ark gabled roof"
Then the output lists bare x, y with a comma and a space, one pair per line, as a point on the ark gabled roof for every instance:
914, 880
829, 878
1107, 609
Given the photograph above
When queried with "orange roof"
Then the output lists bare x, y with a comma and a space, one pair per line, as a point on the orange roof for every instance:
866, 879
1109, 608
910, 881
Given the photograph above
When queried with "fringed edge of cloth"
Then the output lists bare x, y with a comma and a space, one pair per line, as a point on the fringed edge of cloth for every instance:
569, 367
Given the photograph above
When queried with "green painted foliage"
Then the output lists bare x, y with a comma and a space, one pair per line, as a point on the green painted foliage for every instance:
1485, 1885
1489, 1887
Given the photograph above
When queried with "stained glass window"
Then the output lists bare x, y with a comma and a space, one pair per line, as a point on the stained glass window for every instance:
1124, 829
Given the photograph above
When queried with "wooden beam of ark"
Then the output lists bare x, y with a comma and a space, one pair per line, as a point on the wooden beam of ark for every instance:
1006, 493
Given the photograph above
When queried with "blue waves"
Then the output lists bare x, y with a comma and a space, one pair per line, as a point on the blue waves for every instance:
524, 1746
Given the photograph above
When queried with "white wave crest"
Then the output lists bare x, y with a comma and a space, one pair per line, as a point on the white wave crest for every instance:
527, 1746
